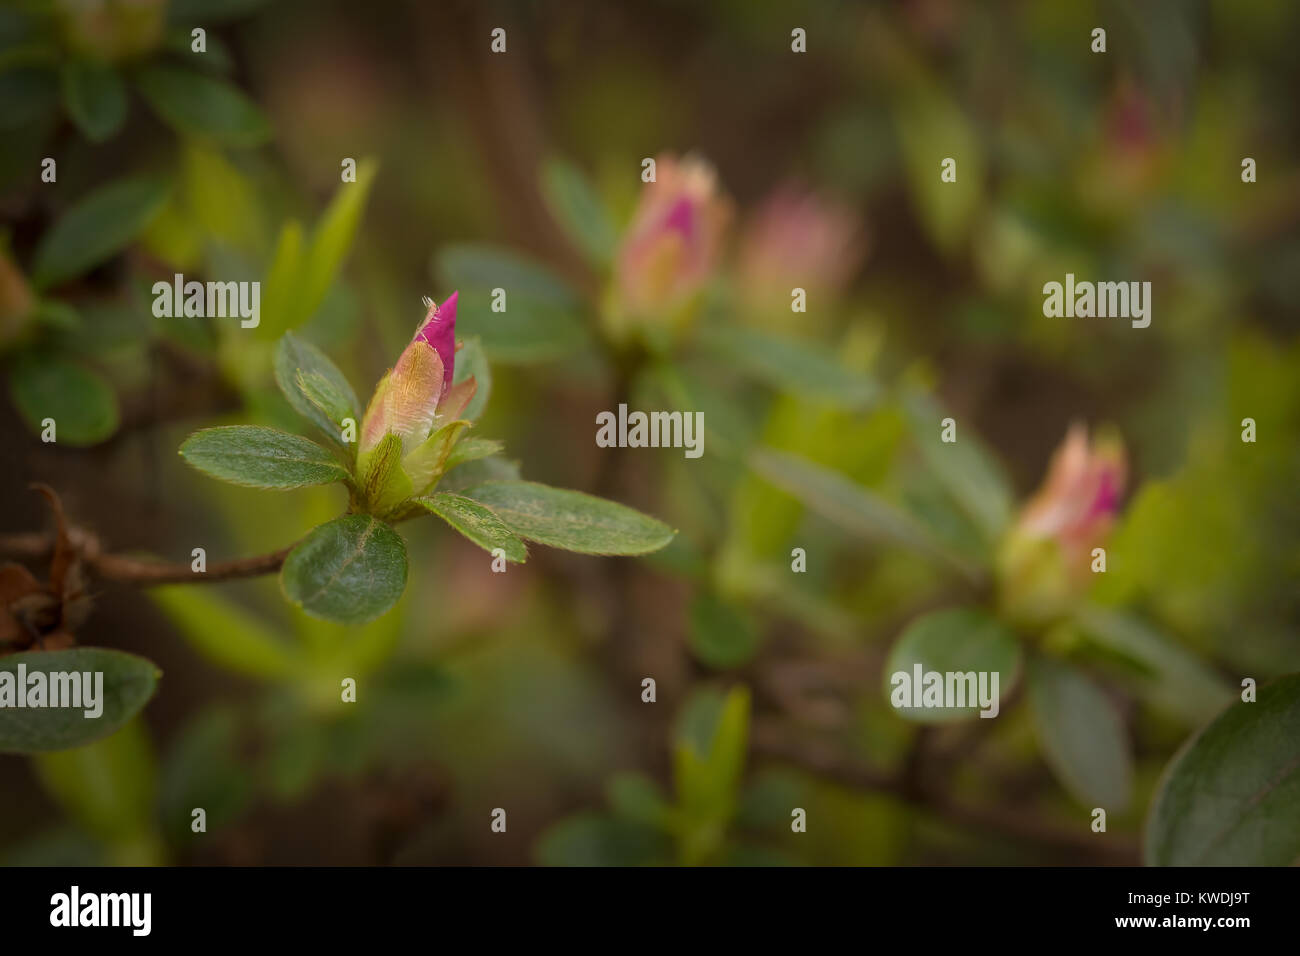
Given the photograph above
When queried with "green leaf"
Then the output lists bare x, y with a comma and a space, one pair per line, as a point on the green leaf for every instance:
279, 305
479, 471
260, 457
225, 633
1081, 734
351, 569
82, 405
579, 210
729, 425
95, 228
527, 332
1231, 797
314, 386
302, 272
332, 239
109, 788
958, 641
791, 365
712, 739
708, 760
570, 519
472, 362
483, 266
472, 449
931, 126
720, 635
128, 683
852, 507
592, 839
202, 106
967, 471
95, 97
296, 757
634, 796
543, 316
477, 523
1175, 680
220, 200
334, 399
204, 769
384, 484
425, 465
71, 331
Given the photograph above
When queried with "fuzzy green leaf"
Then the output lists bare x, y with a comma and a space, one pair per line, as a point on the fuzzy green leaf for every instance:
426, 463
384, 483
314, 386
259, 457
477, 523
472, 449
128, 683
351, 570
570, 519
1232, 795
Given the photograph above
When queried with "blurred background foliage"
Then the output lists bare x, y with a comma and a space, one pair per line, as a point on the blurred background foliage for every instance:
524, 690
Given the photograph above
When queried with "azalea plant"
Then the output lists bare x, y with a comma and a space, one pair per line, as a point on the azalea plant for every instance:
354, 568
907, 468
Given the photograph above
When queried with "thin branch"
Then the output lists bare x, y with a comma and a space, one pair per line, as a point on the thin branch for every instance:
142, 571
118, 567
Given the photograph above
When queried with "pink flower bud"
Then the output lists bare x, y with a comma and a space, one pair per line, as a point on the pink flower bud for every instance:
674, 241
407, 401
439, 330
1044, 562
1080, 497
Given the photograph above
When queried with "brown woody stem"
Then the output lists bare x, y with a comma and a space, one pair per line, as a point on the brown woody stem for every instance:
142, 571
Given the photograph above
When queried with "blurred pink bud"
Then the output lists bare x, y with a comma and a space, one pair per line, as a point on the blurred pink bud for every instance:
675, 238
1129, 120
798, 239
1133, 152
1080, 497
